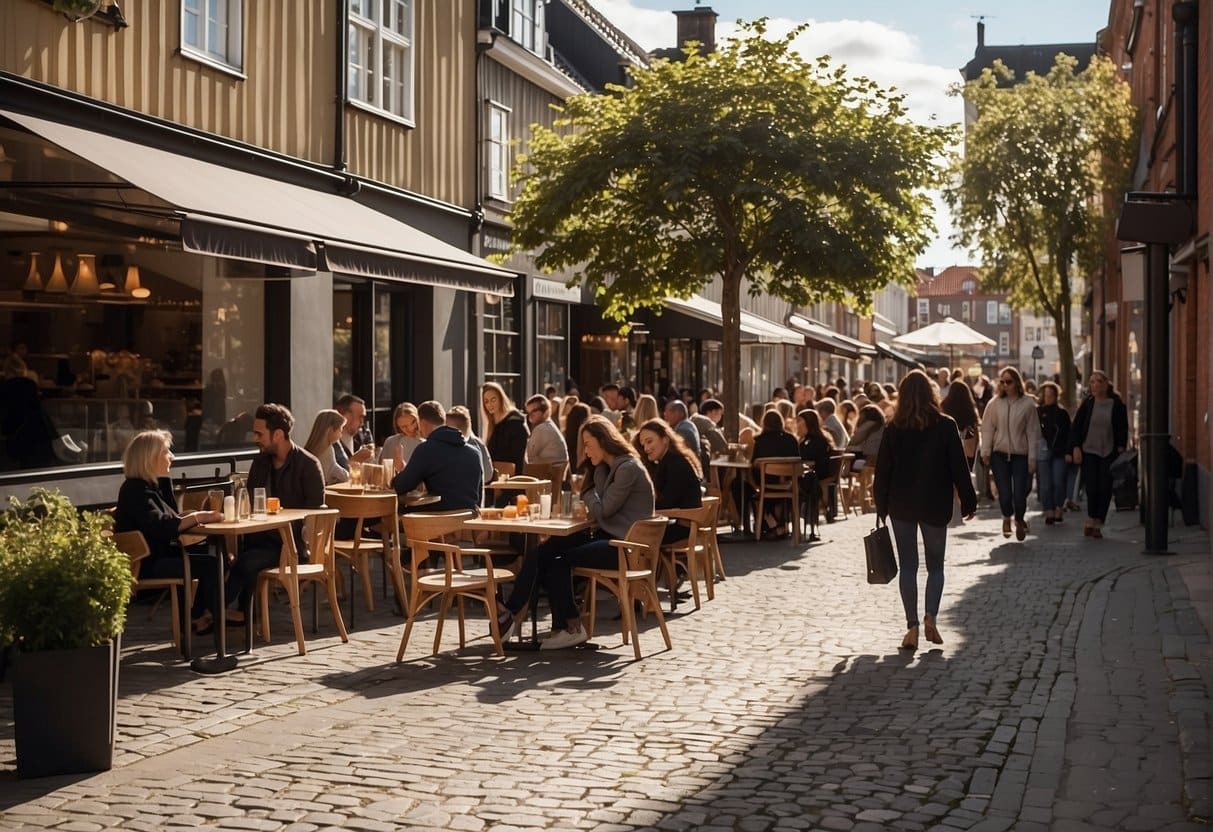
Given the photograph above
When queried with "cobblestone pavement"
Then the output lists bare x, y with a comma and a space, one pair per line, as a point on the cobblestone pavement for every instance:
1072, 693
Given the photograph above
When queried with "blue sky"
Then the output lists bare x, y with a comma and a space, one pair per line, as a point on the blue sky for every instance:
915, 46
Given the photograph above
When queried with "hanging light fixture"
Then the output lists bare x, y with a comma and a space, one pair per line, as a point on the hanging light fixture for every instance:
86, 276
33, 281
132, 280
57, 283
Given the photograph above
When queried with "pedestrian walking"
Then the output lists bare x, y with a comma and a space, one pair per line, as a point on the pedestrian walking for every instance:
1099, 435
1008, 448
919, 466
1053, 452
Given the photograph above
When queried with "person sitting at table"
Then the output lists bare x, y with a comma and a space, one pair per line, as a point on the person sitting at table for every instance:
460, 418
865, 441
774, 441
675, 472
326, 428
546, 443
285, 471
617, 494
815, 447
406, 438
707, 420
349, 447
146, 504
505, 430
444, 463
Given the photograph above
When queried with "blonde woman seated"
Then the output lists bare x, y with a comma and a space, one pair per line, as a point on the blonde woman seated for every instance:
326, 430
400, 445
865, 441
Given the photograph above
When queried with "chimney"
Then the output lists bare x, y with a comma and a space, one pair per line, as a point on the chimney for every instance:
981, 33
698, 24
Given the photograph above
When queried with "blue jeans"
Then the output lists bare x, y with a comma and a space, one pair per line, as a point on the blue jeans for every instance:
1051, 477
934, 542
1011, 476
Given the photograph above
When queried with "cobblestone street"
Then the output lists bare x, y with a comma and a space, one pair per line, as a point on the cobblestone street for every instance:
1071, 693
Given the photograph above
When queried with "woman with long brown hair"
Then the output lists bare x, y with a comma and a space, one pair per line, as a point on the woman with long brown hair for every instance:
962, 407
617, 493
1008, 448
1100, 434
505, 428
921, 463
675, 471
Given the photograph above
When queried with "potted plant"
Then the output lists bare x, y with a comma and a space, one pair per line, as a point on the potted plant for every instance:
64, 588
77, 10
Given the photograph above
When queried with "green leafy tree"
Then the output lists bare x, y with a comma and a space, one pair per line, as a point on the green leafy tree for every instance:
1032, 192
749, 164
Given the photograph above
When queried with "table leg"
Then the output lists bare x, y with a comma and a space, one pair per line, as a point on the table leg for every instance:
222, 662
522, 646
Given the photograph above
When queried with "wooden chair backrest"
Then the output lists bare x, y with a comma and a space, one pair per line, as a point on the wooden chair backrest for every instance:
503, 469
553, 471
437, 527
320, 532
645, 539
134, 545
777, 466
366, 506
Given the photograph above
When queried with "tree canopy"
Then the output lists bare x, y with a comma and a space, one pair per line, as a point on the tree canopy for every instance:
747, 163
1031, 192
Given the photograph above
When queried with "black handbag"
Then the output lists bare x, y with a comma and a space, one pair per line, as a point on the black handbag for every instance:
878, 546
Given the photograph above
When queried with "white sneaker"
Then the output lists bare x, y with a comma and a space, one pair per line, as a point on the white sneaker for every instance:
563, 639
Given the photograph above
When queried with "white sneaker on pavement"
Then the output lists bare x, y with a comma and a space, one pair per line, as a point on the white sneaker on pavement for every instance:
563, 638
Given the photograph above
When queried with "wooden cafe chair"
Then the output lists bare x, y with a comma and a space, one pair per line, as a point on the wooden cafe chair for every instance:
633, 578
777, 478
694, 551
452, 585
134, 545
358, 549
319, 532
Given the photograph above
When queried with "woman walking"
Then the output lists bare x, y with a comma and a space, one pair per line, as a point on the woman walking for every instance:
1099, 435
1054, 452
920, 465
1008, 448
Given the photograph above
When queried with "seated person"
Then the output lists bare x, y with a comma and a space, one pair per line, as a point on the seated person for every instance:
774, 441
285, 471
460, 418
675, 471
815, 446
326, 428
146, 504
400, 445
444, 463
865, 441
707, 420
617, 493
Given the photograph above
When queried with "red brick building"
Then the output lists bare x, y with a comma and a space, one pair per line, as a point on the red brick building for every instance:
956, 293
1140, 38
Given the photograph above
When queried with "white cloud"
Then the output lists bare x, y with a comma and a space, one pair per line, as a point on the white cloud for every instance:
890, 57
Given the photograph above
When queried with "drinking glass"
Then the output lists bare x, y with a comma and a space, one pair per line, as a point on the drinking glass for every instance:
566, 504
214, 500
355, 475
545, 506
372, 473
389, 472
259, 502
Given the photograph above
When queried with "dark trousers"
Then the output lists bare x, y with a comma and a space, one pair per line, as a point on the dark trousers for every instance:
242, 579
1014, 482
1097, 477
535, 564
810, 495
1051, 482
934, 543
202, 569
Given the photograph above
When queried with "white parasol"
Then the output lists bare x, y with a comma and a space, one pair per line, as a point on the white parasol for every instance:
949, 333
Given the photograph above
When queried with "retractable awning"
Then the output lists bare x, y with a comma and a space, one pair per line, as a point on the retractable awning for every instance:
235, 214
825, 339
754, 328
898, 356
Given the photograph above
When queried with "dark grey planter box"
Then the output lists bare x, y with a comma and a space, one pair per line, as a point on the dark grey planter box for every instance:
64, 709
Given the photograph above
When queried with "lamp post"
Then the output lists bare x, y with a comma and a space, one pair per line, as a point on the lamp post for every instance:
1037, 354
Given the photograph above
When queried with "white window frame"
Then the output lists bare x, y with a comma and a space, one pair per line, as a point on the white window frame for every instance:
497, 151
229, 56
1004, 313
991, 312
1004, 343
527, 25
371, 32
924, 311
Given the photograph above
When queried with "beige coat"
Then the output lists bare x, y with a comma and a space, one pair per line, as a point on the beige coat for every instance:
1010, 427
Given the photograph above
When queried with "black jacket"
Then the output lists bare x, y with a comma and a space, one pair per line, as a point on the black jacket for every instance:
916, 472
151, 509
675, 482
1054, 428
299, 483
816, 449
449, 467
774, 444
508, 442
1082, 422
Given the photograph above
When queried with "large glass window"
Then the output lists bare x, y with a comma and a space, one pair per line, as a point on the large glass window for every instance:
498, 147
502, 345
526, 24
212, 29
381, 55
991, 312
552, 343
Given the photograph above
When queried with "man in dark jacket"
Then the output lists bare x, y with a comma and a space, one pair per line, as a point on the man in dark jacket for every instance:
444, 462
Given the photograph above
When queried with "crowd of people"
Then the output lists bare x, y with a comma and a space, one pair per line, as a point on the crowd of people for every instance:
636, 456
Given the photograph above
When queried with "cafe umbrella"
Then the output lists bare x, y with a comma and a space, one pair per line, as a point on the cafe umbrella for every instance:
949, 333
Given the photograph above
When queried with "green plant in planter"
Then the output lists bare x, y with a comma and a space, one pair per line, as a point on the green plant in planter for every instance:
63, 582
77, 10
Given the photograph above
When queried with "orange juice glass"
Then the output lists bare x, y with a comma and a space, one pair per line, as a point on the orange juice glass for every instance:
522, 502
272, 505
509, 511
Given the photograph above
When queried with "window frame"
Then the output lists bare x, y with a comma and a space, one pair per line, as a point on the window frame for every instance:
1004, 343
992, 312
924, 311
497, 150
377, 33
235, 36
531, 13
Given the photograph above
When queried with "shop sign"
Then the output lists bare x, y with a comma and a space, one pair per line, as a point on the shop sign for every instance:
554, 290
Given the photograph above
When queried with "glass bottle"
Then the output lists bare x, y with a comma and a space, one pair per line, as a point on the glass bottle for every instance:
242, 505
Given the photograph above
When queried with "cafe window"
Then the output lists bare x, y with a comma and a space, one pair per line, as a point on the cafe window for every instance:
381, 55
111, 338
552, 344
503, 345
212, 30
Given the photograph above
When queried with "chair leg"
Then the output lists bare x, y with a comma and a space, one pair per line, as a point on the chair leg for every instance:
292, 593
490, 609
693, 574
462, 633
759, 520
591, 604
629, 615
263, 601
315, 608
331, 588
364, 570
176, 610
442, 613
650, 588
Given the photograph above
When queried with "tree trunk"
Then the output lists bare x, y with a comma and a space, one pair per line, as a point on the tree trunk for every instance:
1065, 349
730, 348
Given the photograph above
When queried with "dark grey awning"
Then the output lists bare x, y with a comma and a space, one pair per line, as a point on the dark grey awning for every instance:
823, 338
898, 356
232, 213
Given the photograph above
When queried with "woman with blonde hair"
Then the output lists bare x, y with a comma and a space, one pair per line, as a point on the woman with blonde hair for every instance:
146, 504
326, 429
1009, 440
848, 414
407, 436
505, 429
646, 409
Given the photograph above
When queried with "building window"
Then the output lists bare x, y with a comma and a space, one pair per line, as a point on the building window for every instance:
991, 312
1004, 343
212, 30
526, 24
924, 311
965, 308
1004, 313
944, 309
381, 55
499, 151
502, 345
552, 344
1027, 334
968, 287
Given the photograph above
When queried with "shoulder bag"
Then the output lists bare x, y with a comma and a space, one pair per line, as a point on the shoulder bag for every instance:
878, 546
